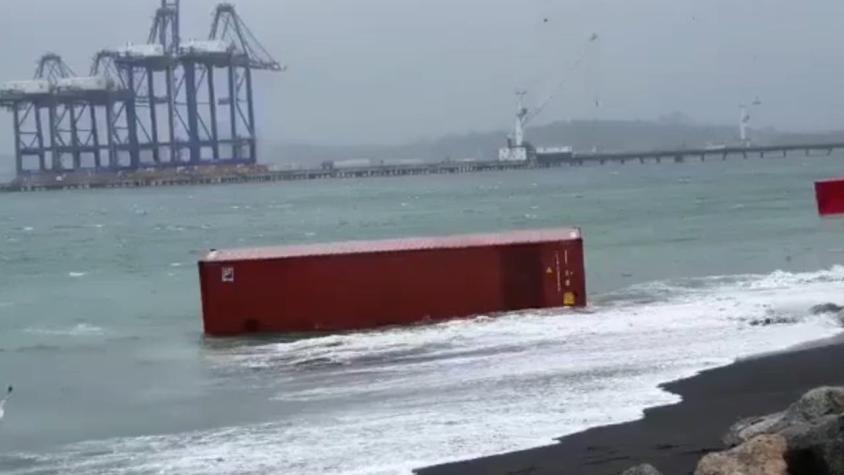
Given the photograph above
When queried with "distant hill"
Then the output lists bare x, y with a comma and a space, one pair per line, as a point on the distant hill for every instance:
673, 131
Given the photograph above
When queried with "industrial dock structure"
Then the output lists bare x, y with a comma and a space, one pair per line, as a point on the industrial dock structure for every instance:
167, 103
356, 169
172, 112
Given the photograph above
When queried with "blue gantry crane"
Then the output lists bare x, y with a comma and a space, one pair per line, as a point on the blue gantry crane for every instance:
164, 103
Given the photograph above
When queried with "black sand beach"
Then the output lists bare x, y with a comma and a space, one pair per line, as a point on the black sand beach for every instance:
674, 438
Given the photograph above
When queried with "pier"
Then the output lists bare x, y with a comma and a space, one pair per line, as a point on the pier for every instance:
723, 153
205, 176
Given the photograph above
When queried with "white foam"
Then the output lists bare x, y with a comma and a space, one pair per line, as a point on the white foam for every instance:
81, 329
77, 275
390, 401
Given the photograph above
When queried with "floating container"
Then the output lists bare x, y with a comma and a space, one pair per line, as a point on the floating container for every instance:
830, 197
363, 285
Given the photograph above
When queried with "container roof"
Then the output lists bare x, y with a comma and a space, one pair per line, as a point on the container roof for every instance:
395, 245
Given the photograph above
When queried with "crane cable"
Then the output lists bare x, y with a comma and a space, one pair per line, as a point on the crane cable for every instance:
557, 89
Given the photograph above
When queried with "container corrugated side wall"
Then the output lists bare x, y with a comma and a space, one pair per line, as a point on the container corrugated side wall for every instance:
360, 291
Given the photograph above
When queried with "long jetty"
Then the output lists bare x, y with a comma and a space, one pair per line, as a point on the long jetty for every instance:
681, 155
140, 180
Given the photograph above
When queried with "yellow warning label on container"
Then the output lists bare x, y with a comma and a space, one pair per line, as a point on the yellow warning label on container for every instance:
569, 299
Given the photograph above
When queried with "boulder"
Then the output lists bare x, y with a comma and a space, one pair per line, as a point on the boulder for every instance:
762, 455
817, 448
812, 427
769, 321
644, 469
827, 308
810, 410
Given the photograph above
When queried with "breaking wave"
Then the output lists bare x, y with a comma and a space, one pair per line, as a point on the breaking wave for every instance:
389, 401
81, 329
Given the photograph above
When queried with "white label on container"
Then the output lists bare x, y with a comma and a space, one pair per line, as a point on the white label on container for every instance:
228, 275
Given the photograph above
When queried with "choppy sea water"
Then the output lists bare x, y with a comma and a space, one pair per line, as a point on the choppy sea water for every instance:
100, 329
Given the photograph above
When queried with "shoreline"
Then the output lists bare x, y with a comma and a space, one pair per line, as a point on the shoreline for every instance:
673, 438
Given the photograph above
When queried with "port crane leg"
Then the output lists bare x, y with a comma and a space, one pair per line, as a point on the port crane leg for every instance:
212, 104
153, 116
95, 137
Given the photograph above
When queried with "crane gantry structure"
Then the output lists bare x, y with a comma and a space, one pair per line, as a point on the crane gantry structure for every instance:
168, 102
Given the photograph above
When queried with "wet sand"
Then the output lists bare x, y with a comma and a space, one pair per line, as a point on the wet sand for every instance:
673, 438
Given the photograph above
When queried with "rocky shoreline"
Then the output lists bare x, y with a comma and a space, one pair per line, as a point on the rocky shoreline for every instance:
805, 439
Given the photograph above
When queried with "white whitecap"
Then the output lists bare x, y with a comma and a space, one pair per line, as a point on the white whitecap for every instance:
78, 330
410, 397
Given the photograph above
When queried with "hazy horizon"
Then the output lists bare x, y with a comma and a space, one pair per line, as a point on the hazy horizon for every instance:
391, 72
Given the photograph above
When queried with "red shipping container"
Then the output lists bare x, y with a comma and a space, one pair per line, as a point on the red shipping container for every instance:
362, 285
830, 197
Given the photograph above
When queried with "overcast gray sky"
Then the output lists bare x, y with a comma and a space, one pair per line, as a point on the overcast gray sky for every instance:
388, 71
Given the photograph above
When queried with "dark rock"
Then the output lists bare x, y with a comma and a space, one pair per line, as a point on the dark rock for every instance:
817, 448
746, 429
644, 469
762, 455
816, 404
768, 321
813, 429
800, 417
827, 308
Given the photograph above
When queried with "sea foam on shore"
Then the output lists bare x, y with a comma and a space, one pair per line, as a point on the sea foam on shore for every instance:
389, 401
